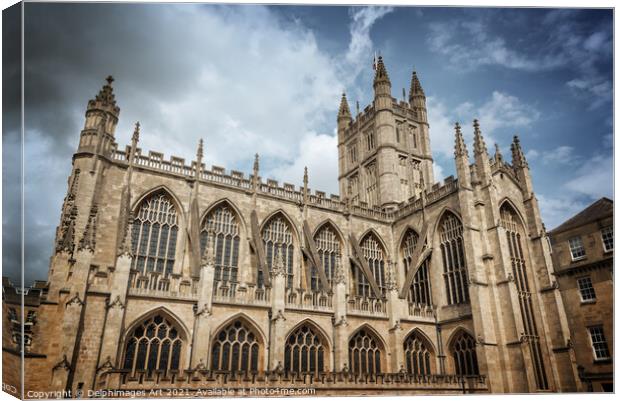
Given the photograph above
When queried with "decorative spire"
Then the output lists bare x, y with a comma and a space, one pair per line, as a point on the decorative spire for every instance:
479, 146
89, 237
518, 158
105, 97
306, 178
498, 154
199, 152
459, 147
344, 107
208, 256
381, 72
416, 87
279, 264
67, 237
136, 134
255, 171
126, 246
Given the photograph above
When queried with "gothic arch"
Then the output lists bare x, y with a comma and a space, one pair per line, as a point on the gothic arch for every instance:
419, 353
163, 188
238, 345
307, 348
372, 231
506, 202
229, 203
322, 333
365, 357
286, 217
156, 340
408, 228
246, 319
444, 212
366, 326
329, 222
462, 349
417, 332
456, 333
154, 311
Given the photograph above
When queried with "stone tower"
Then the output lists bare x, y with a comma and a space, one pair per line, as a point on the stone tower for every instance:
384, 152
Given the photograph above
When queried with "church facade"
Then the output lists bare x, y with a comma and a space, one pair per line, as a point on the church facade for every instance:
168, 275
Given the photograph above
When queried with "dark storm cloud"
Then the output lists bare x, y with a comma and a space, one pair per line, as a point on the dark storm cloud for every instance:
185, 71
11, 152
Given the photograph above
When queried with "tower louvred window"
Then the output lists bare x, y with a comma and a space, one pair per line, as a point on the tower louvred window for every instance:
154, 235
223, 225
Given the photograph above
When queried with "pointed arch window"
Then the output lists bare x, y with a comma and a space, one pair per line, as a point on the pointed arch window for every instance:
453, 256
304, 351
278, 234
420, 290
154, 234
375, 255
418, 355
223, 224
154, 345
364, 353
511, 223
464, 354
236, 349
329, 248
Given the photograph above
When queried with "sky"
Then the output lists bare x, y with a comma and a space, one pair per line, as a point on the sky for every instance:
268, 79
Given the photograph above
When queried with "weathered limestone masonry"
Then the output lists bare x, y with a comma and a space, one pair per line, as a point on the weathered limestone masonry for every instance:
170, 275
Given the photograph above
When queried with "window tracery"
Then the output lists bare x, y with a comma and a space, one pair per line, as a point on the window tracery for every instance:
420, 290
375, 255
364, 353
453, 256
154, 235
278, 234
223, 225
304, 351
235, 349
464, 354
417, 355
329, 249
153, 345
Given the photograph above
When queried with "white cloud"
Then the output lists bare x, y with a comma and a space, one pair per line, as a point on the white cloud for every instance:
320, 154
501, 110
594, 178
360, 46
560, 155
555, 210
438, 172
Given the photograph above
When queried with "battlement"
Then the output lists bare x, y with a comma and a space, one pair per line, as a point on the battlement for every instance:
32, 295
218, 175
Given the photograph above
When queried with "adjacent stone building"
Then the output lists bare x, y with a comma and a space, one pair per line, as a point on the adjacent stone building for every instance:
583, 254
170, 275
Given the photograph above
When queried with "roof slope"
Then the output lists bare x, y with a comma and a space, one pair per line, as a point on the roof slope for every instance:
599, 209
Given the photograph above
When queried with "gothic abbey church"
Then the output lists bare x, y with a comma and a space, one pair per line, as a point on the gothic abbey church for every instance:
170, 275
